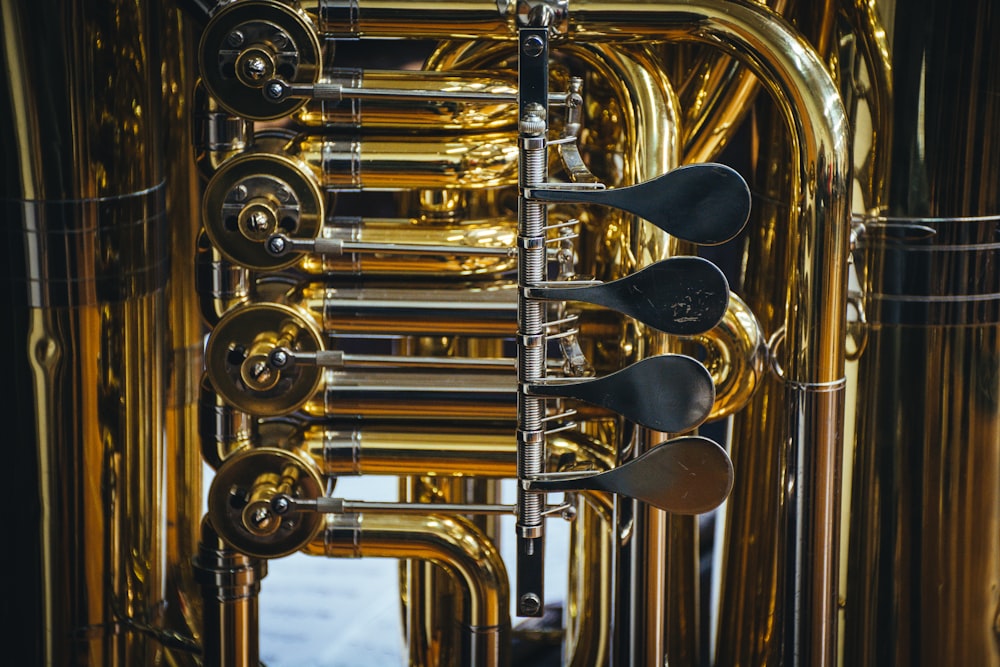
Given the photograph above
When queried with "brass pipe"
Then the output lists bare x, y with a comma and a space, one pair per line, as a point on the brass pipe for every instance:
476, 310
813, 357
377, 451
183, 464
427, 116
923, 569
390, 163
488, 233
83, 192
753, 591
230, 583
451, 542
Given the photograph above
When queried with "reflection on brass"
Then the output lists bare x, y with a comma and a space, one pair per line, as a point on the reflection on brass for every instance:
240, 501
153, 152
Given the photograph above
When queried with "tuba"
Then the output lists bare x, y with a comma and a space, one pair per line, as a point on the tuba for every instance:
266, 254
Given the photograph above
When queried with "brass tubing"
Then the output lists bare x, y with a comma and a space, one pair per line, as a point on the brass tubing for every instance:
184, 466
589, 607
374, 451
416, 395
454, 544
478, 451
456, 263
442, 19
474, 311
218, 134
84, 202
923, 568
390, 163
425, 115
219, 283
813, 354
230, 584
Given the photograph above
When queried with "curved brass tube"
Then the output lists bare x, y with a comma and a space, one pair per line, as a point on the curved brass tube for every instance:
451, 542
813, 356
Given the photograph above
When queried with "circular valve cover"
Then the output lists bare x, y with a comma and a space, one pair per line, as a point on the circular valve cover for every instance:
255, 195
238, 508
248, 43
236, 357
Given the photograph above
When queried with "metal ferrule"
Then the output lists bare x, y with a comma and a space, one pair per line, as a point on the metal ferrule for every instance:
219, 283
931, 271
222, 429
124, 239
218, 134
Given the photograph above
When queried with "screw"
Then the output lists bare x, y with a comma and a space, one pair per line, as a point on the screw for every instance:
275, 91
261, 372
261, 517
280, 504
235, 38
257, 221
280, 40
240, 192
284, 194
256, 67
530, 604
276, 245
279, 358
533, 46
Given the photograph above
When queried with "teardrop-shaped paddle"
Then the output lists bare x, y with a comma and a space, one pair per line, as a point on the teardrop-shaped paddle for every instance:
670, 392
705, 203
688, 475
680, 295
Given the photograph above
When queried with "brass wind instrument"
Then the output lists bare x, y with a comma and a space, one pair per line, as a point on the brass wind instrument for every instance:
464, 244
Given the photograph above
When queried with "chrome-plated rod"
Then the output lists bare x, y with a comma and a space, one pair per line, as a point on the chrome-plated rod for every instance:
284, 357
278, 90
325, 505
280, 245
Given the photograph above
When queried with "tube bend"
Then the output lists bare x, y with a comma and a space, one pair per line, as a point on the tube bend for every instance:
452, 542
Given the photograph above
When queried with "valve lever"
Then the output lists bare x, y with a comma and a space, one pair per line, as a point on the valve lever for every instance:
705, 203
680, 295
669, 392
688, 475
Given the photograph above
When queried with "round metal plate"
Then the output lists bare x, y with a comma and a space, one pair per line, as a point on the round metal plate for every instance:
285, 184
230, 343
227, 498
281, 37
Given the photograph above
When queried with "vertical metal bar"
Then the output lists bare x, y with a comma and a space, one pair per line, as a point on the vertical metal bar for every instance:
531, 219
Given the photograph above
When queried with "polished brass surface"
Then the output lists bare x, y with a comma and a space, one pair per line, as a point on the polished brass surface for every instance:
237, 356
84, 200
862, 526
254, 196
408, 115
239, 501
922, 567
